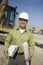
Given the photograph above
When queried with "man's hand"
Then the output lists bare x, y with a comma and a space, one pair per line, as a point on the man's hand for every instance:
28, 58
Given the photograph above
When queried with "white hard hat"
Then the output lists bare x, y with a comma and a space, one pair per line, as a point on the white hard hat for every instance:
23, 15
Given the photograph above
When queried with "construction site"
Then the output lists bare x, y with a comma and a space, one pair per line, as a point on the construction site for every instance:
7, 23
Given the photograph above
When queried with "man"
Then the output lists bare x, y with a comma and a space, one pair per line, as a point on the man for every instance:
18, 36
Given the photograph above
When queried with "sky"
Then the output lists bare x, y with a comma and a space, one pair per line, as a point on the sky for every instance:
34, 8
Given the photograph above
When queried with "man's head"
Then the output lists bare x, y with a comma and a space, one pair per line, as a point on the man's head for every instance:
23, 19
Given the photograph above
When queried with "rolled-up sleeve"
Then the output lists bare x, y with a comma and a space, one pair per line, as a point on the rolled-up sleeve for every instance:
31, 45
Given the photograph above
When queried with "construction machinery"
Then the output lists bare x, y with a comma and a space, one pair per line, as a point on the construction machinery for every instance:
7, 18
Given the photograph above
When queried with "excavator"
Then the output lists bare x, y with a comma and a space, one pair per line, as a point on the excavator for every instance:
7, 19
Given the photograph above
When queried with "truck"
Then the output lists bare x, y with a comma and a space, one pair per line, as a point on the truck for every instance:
7, 19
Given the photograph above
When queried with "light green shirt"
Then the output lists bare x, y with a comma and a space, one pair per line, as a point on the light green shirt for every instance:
16, 38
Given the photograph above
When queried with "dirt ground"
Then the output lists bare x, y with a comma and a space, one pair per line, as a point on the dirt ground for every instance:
38, 38
3, 59
38, 53
37, 59
38, 56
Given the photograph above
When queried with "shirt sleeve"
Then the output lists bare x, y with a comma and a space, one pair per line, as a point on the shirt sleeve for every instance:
8, 41
31, 45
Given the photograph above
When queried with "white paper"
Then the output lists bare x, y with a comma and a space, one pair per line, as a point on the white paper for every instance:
12, 50
26, 51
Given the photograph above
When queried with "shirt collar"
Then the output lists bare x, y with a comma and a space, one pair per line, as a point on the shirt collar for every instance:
19, 28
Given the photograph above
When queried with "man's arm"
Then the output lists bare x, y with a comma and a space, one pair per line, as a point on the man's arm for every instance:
7, 43
31, 44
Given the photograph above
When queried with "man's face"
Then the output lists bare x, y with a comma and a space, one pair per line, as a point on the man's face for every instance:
22, 23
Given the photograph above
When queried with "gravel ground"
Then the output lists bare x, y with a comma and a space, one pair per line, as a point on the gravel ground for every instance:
38, 38
3, 59
38, 56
